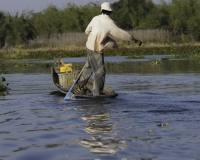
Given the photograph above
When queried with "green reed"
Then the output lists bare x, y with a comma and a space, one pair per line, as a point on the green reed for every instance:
73, 45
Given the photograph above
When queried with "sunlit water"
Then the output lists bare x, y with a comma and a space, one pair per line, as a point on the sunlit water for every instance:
36, 125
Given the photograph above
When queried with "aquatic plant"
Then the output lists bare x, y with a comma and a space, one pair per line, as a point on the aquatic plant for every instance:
133, 56
164, 59
158, 61
23, 64
155, 62
180, 56
163, 124
3, 86
114, 63
77, 67
45, 65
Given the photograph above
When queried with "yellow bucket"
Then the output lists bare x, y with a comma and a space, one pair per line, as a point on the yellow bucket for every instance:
66, 67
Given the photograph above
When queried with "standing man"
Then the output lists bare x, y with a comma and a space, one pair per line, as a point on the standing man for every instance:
99, 31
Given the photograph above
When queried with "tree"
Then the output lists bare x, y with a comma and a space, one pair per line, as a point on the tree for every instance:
22, 28
70, 17
179, 15
158, 17
129, 14
2, 29
48, 22
194, 21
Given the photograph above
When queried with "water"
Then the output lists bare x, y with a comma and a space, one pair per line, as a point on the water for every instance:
38, 125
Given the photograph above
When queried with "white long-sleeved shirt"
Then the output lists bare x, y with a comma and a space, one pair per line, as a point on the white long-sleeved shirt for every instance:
99, 31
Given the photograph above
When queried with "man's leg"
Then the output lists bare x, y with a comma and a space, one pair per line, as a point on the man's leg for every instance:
87, 72
96, 61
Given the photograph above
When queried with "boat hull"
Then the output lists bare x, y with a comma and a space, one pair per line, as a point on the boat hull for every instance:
108, 92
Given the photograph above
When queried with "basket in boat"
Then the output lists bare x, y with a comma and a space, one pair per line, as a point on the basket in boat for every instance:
67, 79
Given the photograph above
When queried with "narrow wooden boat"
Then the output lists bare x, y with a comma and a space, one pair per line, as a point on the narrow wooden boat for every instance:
55, 71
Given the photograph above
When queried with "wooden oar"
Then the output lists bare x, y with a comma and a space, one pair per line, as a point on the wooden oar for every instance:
75, 82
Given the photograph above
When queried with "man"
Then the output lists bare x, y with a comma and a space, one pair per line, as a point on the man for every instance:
99, 31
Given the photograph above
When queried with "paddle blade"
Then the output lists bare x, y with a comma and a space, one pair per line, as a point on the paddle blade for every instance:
68, 93
70, 97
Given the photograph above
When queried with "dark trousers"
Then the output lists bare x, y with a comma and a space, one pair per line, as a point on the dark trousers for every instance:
94, 65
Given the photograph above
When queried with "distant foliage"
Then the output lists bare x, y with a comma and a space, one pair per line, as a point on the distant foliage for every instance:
180, 17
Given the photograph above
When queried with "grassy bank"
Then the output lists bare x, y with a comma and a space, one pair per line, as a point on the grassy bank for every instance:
131, 52
73, 45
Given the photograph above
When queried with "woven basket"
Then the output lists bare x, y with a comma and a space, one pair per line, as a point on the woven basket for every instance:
67, 79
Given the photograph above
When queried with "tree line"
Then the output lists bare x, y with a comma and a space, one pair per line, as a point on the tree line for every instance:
179, 16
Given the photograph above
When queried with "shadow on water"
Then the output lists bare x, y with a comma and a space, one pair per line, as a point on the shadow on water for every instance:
155, 115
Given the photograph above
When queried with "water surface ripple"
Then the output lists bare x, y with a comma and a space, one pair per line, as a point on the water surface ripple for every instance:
155, 116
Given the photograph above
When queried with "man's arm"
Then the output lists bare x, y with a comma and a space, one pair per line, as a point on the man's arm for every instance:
122, 34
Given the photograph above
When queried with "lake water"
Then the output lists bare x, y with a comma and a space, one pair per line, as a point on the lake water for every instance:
154, 117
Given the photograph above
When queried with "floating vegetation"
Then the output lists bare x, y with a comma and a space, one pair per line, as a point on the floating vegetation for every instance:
158, 61
23, 64
195, 56
77, 67
114, 63
164, 59
163, 124
155, 61
3, 86
150, 131
180, 56
45, 65
109, 63
135, 56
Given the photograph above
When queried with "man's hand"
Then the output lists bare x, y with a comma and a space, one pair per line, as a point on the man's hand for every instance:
138, 42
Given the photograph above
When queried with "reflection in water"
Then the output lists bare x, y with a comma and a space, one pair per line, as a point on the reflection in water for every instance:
103, 139
97, 123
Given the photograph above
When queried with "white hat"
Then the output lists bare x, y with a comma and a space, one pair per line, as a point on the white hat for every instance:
106, 6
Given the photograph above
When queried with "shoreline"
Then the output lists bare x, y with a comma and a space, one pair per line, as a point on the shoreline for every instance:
132, 52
